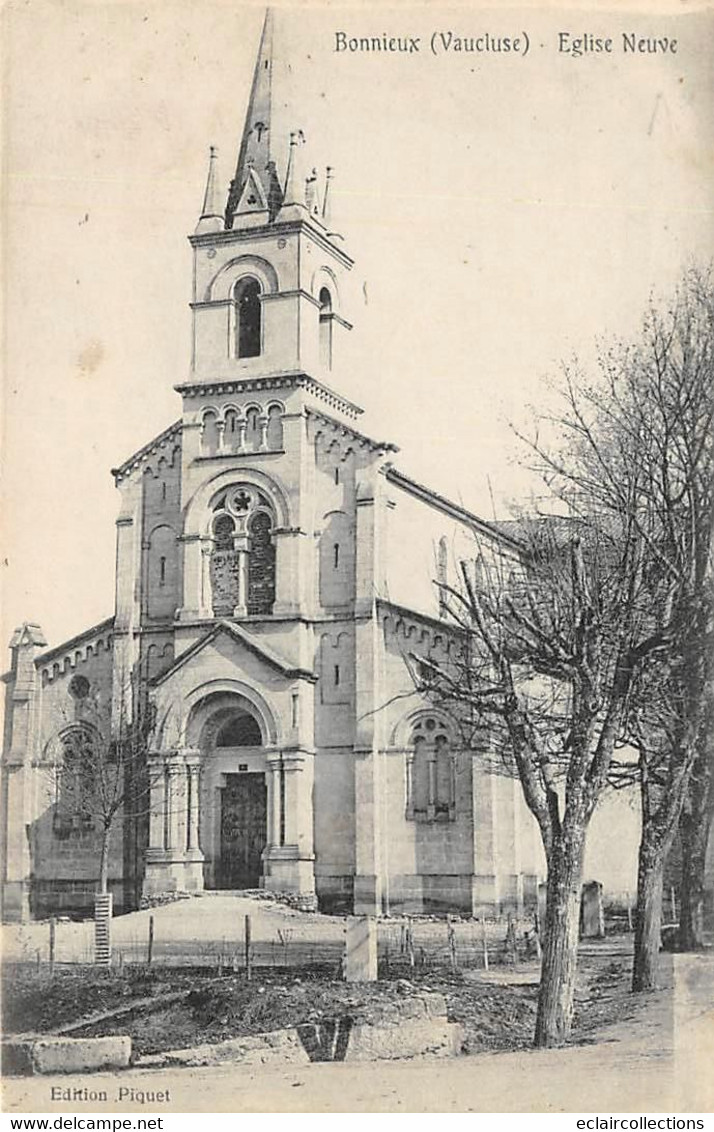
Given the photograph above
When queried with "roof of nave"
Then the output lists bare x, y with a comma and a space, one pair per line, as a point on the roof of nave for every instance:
150, 449
253, 644
74, 643
455, 510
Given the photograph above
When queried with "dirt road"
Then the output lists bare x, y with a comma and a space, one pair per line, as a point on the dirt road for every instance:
632, 1068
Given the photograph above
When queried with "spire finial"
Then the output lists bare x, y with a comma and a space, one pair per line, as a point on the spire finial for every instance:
255, 147
294, 195
211, 217
327, 204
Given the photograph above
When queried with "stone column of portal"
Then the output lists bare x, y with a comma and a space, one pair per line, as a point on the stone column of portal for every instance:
193, 867
275, 802
157, 802
290, 860
154, 876
173, 862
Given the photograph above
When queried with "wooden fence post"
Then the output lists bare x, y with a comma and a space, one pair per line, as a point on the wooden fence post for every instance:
150, 945
451, 940
248, 955
511, 943
484, 943
52, 945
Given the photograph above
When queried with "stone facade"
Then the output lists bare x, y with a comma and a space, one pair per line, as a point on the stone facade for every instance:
275, 579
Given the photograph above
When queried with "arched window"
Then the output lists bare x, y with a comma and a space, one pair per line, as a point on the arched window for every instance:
242, 560
431, 788
325, 300
261, 564
76, 783
240, 731
247, 311
224, 567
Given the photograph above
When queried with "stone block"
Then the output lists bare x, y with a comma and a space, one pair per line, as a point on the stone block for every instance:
66, 1055
278, 1047
361, 950
411, 1038
592, 917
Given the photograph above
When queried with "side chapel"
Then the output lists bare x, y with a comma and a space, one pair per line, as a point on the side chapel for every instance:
275, 572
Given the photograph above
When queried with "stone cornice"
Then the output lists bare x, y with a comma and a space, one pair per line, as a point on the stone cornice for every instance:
294, 379
148, 450
360, 437
269, 232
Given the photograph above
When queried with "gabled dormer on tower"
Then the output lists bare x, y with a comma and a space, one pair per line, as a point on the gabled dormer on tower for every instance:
269, 270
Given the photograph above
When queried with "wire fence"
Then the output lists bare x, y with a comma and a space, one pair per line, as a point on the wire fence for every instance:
403, 943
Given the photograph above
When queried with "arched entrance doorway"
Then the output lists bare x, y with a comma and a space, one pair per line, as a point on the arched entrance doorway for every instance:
234, 801
244, 807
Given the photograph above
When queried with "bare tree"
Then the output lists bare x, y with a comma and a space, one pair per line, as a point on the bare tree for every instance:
100, 779
637, 446
695, 826
614, 600
550, 646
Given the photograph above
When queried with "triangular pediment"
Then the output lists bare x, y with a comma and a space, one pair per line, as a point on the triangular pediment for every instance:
253, 198
242, 641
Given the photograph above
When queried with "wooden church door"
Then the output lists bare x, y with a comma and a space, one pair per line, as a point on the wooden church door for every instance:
243, 830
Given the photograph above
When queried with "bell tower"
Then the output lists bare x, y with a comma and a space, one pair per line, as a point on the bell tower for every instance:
268, 266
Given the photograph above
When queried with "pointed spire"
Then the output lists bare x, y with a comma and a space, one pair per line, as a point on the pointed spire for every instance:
255, 146
211, 216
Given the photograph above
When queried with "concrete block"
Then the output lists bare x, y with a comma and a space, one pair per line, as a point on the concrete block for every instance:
592, 917
278, 1047
65, 1055
361, 950
409, 1038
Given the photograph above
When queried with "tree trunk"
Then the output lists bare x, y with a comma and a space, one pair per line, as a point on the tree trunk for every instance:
104, 863
695, 825
648, 917
694, 835
560, 942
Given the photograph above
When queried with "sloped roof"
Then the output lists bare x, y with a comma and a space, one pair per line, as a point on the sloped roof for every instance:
258, 648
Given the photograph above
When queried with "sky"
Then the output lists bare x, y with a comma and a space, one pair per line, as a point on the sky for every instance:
504, 212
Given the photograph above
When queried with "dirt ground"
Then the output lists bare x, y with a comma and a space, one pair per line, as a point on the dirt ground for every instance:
496, 1008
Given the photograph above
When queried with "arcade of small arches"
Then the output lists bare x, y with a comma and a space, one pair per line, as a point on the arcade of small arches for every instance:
233, 430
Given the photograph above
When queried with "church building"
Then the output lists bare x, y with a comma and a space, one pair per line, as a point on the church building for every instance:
275, 586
